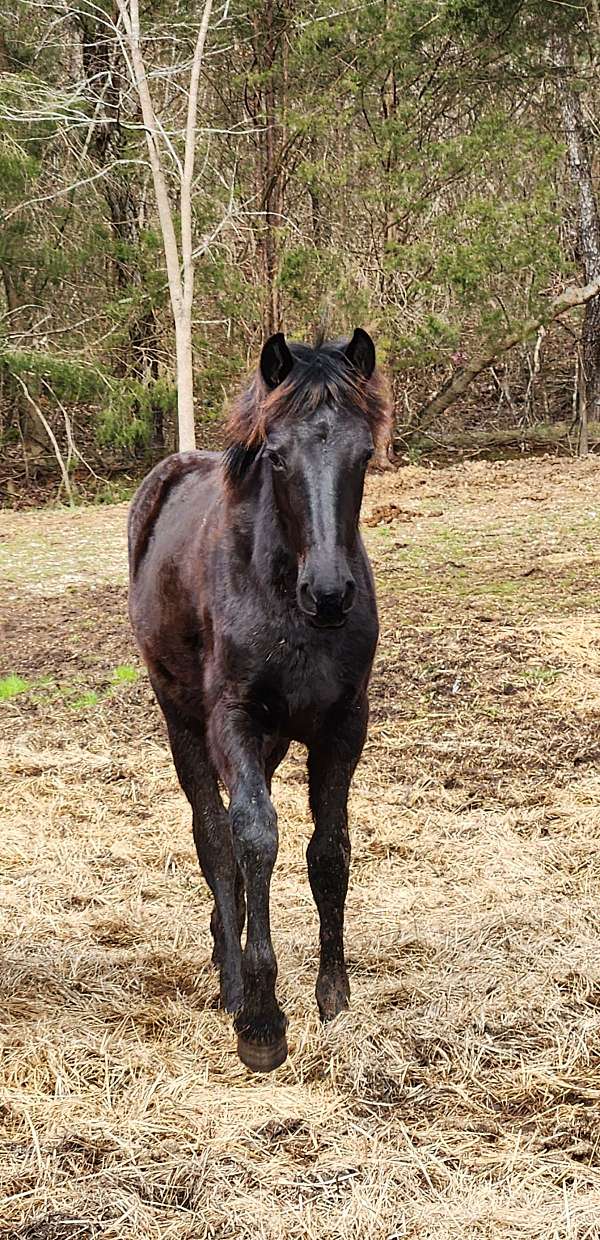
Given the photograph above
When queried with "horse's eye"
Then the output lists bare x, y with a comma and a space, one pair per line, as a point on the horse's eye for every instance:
277, 461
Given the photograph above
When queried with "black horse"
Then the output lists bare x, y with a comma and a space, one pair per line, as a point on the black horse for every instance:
252, 600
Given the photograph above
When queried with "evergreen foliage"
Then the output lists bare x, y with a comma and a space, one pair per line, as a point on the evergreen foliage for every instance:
400, 165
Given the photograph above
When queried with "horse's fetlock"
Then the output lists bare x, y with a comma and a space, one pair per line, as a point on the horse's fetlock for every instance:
260, 962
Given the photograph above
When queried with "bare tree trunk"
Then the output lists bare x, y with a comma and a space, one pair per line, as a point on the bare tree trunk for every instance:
180, 264
537, 436
103, 66
272, 183
184, 335
588, 227
583, 442
5, 60
319, 220
10, 292
389, 107
269, 28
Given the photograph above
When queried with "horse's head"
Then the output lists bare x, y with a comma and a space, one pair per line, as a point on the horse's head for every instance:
319, 412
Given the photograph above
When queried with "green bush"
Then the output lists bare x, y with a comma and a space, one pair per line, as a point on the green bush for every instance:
127, 421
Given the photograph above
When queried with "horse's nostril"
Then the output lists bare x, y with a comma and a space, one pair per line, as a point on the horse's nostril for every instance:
307, 599
349, 594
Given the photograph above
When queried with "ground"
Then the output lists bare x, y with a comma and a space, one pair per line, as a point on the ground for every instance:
460, 1095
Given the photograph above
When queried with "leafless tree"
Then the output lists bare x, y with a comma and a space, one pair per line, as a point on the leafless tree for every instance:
588, 236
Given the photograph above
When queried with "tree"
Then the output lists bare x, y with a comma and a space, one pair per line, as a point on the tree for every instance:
400, 166
588, 231
179, 253
469, 371
104, 74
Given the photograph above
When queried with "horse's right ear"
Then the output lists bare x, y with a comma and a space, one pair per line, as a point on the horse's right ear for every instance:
276, 360
361, 353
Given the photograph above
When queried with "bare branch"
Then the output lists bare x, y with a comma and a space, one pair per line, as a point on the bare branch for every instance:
52, 437
188, 166
457, 386
68, 189
73, 449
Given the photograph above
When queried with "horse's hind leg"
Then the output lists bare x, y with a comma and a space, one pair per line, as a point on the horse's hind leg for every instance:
212, 837
216, 925
274, 757
331, 763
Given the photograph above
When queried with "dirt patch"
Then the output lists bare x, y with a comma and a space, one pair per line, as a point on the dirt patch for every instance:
460, 1095
84, 629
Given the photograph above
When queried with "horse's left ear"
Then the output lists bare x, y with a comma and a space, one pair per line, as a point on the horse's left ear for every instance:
276, 360
361, 353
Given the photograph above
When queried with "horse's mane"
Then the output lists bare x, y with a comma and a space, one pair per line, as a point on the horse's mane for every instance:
321, 374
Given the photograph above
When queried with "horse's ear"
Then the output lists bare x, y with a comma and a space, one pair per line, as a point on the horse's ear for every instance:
361, 353
276, 360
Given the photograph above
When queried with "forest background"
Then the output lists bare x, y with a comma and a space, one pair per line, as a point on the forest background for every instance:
179, 181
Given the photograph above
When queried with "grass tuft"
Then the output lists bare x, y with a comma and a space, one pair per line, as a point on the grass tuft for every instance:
125, 674
10, 686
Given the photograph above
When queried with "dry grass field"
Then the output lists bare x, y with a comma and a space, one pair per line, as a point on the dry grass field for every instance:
460, 1095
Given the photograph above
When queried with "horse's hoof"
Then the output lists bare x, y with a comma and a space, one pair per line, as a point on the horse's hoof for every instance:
262, 1056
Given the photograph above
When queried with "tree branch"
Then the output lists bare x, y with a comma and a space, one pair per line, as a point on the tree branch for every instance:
458, 384
188, 162
52, 437
131, 22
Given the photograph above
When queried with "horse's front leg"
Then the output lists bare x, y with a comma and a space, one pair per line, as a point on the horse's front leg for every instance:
260, 1025
332, 759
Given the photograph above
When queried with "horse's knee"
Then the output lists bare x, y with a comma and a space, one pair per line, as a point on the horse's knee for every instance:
254, 831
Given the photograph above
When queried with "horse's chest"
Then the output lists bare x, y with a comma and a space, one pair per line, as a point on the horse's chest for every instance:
309, 676
297, 680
